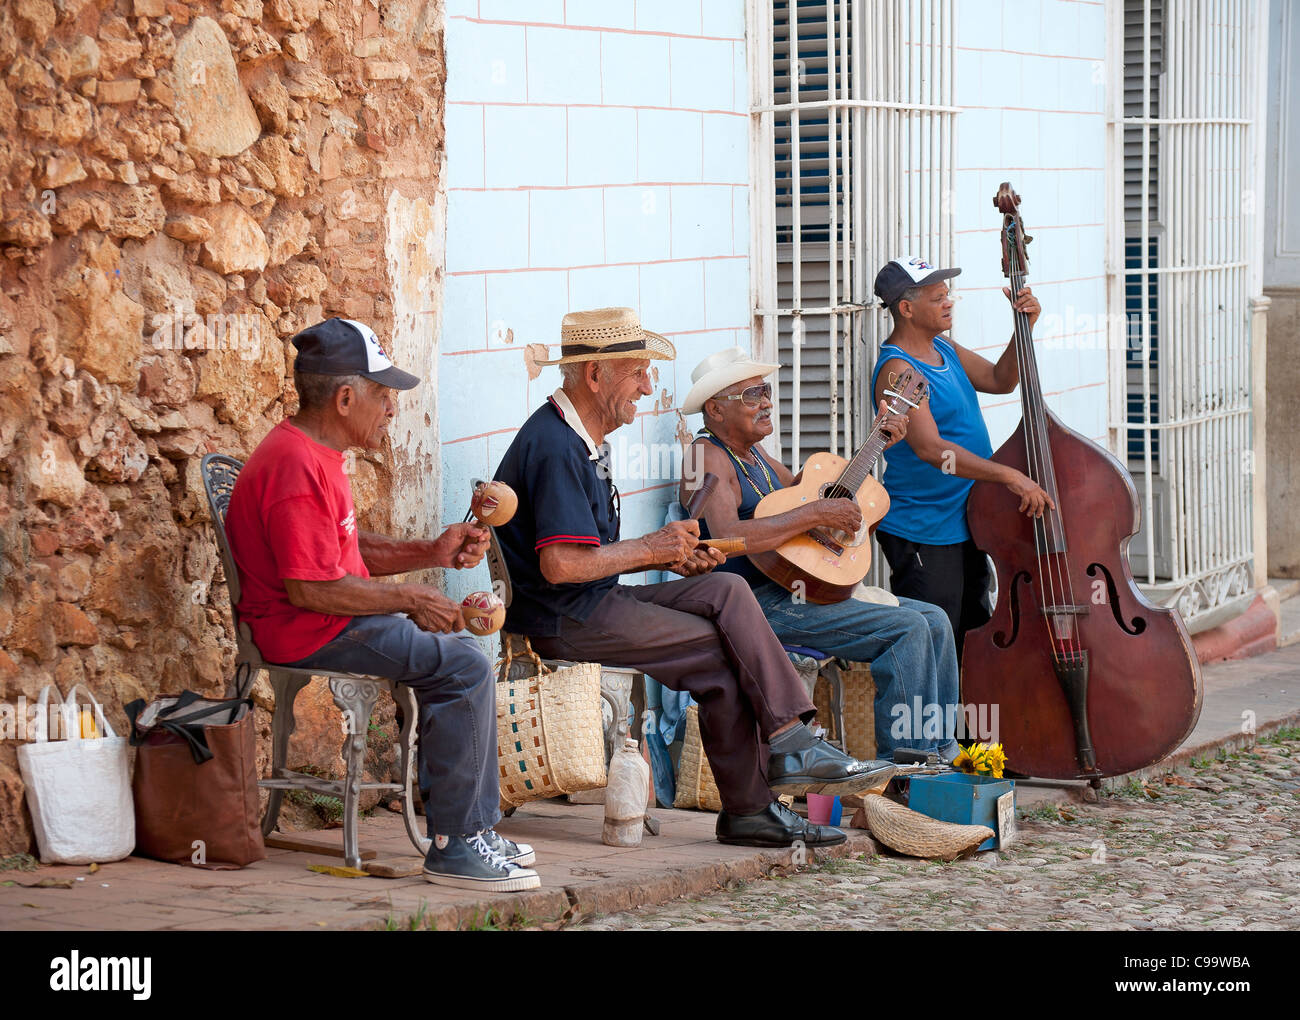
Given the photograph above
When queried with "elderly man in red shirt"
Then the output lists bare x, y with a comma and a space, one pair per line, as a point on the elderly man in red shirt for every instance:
309, 597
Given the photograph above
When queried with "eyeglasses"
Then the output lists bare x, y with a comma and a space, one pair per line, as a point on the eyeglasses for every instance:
605, 469
753, 396
615, 509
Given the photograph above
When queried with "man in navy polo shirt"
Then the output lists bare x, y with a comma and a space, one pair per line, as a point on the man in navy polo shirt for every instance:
704, 634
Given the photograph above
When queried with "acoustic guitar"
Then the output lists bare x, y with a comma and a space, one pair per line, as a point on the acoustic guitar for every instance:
825, 565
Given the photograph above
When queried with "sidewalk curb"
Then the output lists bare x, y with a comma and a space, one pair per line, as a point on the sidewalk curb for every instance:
560, 907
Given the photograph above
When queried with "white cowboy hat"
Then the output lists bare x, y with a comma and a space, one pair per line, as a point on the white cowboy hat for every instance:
718, 371
605, 333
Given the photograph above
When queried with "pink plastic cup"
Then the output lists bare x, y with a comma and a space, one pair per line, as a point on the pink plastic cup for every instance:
823, 810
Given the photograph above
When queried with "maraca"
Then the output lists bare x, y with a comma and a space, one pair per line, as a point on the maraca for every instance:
484, 612
493, 503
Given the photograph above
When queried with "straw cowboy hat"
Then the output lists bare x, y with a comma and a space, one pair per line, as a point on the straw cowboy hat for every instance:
604, 333
718, 371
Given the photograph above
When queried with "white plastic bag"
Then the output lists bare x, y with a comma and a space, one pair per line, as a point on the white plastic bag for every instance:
78, 790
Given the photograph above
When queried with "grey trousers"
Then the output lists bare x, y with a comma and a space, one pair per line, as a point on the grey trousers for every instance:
456, 690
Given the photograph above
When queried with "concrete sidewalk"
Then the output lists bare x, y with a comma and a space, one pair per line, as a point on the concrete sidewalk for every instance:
580, 875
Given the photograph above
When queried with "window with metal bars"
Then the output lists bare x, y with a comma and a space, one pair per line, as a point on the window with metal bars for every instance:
815, 145
859, 106
1142, 80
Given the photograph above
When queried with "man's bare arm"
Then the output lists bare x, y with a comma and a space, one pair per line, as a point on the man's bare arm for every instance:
358, 596
571, 563
384, 555
1005, 375
953, 459
460, 546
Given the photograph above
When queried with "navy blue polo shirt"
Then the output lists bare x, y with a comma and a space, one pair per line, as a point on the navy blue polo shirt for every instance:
563, 497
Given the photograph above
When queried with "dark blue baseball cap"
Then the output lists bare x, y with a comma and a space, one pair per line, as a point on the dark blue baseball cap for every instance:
345, 347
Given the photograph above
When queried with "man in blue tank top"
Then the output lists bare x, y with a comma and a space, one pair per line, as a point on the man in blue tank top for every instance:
929, 477
909, 645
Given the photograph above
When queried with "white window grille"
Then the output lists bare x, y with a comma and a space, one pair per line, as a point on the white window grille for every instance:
1183, 113
851, 162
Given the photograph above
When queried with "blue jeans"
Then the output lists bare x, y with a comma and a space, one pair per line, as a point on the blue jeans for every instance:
453, 683
910, 648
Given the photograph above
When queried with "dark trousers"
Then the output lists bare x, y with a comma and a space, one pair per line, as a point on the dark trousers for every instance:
953, 577
707, 636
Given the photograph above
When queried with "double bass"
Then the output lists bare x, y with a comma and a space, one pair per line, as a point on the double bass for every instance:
1091, 679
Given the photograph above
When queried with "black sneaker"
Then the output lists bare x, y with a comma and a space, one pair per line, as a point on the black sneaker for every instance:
470, 862
516, 853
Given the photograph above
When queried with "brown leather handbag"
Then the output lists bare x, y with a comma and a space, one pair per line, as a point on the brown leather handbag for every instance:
195, 781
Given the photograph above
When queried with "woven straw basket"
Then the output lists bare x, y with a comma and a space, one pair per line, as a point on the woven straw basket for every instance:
550, 734
917, 835
859, 709
696, 788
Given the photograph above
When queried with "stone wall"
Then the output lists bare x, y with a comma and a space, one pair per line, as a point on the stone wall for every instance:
185, 185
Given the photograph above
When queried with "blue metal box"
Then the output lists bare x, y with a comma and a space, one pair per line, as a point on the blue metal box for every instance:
962, 798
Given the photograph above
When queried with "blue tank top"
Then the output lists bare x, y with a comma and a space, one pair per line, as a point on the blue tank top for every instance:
754, 485
926, 504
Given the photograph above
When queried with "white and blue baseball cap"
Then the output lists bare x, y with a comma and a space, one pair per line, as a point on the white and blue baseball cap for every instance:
903, 274
346, 347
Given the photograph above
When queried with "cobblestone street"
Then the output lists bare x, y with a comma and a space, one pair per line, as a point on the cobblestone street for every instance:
1214, 847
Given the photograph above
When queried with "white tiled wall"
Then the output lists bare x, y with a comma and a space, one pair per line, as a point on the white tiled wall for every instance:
1030, 77
597, 155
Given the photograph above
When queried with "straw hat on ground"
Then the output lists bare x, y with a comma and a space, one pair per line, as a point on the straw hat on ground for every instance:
917, 835
718, 371
604, 333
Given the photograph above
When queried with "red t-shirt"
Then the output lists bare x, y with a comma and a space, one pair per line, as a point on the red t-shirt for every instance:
291, 516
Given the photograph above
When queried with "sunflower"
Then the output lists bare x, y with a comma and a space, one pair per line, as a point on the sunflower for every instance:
982, 760
997, 759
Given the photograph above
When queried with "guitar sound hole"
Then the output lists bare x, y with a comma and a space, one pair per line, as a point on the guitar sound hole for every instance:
836, 491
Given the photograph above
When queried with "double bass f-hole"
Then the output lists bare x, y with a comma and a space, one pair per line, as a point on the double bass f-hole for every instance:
1112, 598
1000, 638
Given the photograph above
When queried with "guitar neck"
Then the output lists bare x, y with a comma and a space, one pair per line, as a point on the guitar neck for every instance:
855, 473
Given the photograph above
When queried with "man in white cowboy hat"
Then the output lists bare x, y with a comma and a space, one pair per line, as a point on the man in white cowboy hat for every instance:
924, 536
909, 645
703, 634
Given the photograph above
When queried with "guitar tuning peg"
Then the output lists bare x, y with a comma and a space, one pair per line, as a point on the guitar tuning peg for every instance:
1028, 239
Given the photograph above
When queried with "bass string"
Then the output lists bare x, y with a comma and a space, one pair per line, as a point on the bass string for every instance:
1055, 577
1074, 643
1038, 461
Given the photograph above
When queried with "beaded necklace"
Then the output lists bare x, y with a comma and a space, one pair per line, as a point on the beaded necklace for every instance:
762, 464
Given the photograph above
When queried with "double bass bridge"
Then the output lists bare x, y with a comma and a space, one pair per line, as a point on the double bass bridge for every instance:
1062, 620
